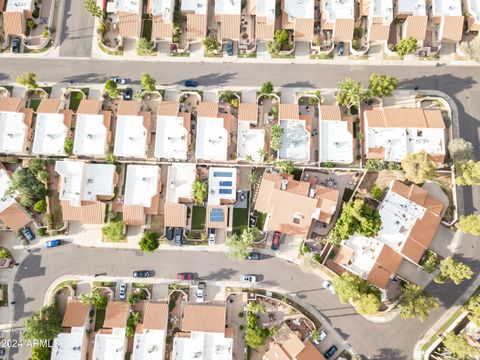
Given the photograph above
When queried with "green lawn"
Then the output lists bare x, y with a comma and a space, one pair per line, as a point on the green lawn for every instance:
33, 104
75, 98
147, 29
198, 217
240, 220
99, 319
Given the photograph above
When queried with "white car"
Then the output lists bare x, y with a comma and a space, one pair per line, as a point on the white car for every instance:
248, 279
329, 286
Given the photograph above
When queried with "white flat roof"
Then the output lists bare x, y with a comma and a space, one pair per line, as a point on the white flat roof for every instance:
199, 7
295, 141
416, 7
447, 7
249, 141
266, 8
90, 135
180, 180
130, 137
19, 5
336, 142
299, 9
228, 7
171, 138
68, 346
141, 184
5, 201
222, 184
50, 134
163, 8
84, 181
203, 346
365, 254
383, 8
474, 8
12, 132
339, 9
212, 139
110, 346
150, 345
131, 6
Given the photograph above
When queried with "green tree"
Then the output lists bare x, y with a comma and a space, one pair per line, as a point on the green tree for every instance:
93, 9
454, 270
148, 83
256, 307
110, 158
376, 192
367, 304
40, 206
356, 217
460, 149
285, 166
382, 85
28, 79
459, 346
350, 93
68, 146
473, 308
113, 231
468, 173
211, 44
351, 287
96, 298
149, 241
111, 88
27, 186
40, 353
44, 324
240, 245
419, 167
415, 302
132, 321
267, 88
276, 134
199, 191
470, 224
145, 46
406, 46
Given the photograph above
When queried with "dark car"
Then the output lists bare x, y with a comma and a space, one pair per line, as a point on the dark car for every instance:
330, 352
186, 276
27, 233
276, 240
15, 45
141, 274
178, 236
169, 233
52, 243
341, 48
254, 256
127, 94
230, 48
191, 83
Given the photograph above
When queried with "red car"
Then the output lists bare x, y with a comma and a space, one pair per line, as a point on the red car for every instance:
276, 240
186, 276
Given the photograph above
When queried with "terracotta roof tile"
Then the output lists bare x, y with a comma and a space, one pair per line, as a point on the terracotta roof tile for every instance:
75, 314
116, 314
155, 316
205, 318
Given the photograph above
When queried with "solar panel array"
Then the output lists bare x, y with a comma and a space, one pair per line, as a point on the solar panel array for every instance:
216, 215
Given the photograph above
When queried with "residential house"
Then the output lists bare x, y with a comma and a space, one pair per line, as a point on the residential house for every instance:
132, 134
414, 14
228, 14
161, 12
447, 20
16, 132
264, 12
203, 331
12, 215
196, 14
392, 133
213, 133
299, 17
291, 205
291, 347
110, 341
472, 8
296, 133
128, 17
150, 336
336, 135
338, 20
16, 15
172, 137
142, 193
72, 342
52, 127
92, 129
410, 219
179, 185
380, 18
83, 188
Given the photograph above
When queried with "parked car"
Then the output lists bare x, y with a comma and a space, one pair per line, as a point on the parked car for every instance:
329, 286
169, 233
178, 236
52, 243
200, 294
276, 240
27, 233
322, 336
248, 278
122, 292
190, 83
330, 352
211, 236
119, 80
186, 276
254, 256
16, 45
230, 48
341, 48
141, 274
127, 94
